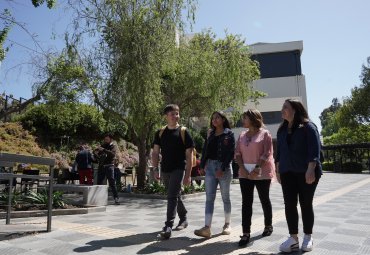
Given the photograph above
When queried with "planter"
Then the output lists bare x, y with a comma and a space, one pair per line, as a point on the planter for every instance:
158, 196
43, 213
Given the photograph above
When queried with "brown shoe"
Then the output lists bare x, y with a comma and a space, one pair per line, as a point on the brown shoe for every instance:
203, 232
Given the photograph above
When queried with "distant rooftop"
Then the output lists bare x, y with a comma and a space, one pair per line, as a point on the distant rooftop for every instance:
263, 48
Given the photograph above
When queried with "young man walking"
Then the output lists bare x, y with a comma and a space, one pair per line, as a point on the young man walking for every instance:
176, 147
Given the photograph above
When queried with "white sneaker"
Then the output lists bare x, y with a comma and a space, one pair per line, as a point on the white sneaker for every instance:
226, 229
307, 243
289, 245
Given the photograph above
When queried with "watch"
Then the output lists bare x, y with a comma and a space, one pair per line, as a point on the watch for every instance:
257, 166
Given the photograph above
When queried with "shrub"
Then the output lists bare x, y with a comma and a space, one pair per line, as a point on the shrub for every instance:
328, 166
155, 188
352, 167
42, 197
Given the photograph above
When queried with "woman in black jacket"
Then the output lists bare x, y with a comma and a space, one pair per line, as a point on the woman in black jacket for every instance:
217, 154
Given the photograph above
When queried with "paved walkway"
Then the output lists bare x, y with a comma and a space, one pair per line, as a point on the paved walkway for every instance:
342, 226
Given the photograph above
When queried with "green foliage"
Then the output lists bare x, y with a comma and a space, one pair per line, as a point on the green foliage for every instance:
49, 3
352, 167
66, 78
193, 189
16, 199
328, 118
197, 138
348, 135
6, 19
80, 122
42, 198
206, 71
349, 122
328, 166
155, 188
137, 65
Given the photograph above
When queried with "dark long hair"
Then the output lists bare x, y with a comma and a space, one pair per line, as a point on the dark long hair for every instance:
223, 116
300, 115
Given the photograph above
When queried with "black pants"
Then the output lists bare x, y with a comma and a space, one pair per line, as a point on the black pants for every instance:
108, 171
294, 186
172, 181
247, 189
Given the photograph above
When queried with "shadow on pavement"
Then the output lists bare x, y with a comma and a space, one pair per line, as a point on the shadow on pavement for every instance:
184, 245
118, 242
4, 236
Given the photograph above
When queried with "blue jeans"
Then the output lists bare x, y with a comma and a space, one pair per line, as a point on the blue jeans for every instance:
211, 183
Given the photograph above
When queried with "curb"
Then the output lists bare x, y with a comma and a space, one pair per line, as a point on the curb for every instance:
56, 212
157, 196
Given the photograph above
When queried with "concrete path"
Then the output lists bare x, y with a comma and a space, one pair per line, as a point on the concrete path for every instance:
342, 226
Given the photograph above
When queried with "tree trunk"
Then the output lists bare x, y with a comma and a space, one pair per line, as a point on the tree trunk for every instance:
141, 172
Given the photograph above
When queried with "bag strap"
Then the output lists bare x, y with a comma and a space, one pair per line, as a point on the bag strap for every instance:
182, 133
161, 131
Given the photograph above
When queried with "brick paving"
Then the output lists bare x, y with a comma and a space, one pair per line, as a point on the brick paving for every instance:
342, 226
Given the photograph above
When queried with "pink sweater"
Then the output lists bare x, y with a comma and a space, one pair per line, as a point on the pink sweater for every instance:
255, 148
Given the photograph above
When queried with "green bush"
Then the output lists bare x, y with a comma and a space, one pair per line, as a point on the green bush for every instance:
155, 188
42, 198
352, 167
80, 122
17, 198
198, 139
328, 166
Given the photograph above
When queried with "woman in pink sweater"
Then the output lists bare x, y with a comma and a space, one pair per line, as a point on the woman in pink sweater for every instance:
254, 154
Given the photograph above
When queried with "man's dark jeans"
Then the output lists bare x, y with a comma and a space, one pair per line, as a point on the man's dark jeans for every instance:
108, 171
172, 181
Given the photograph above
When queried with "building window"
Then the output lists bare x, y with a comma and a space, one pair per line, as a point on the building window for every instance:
279, 64
272, 117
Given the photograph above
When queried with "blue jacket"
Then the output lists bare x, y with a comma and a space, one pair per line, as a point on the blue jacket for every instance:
225, 149
305, 147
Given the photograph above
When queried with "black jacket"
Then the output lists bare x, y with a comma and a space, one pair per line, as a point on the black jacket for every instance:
225, 149
108, 155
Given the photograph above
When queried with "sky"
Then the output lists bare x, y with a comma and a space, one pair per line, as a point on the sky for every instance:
335, 35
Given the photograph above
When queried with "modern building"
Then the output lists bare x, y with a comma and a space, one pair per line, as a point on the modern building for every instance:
281, 78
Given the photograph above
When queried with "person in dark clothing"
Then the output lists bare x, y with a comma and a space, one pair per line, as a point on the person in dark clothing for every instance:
298, 170
106, 155
217, 154
176, 147
84, 160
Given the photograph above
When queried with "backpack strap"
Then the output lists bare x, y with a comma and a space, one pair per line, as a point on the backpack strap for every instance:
182, 133
161, 131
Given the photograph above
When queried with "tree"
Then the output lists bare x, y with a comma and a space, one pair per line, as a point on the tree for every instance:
8, 21
356, 108
136, 67
328, 119
349, 122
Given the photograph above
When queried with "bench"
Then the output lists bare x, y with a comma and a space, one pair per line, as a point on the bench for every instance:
93, 195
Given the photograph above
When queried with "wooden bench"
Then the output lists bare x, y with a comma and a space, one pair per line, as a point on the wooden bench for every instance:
93, 195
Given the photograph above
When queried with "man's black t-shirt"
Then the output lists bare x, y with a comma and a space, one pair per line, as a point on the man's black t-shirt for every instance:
173, 148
